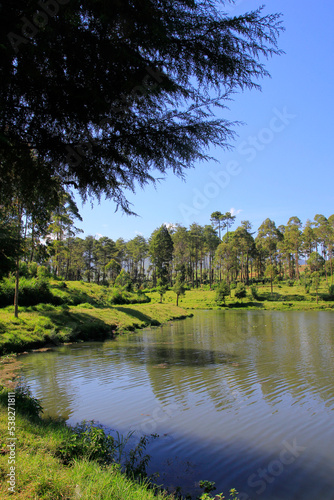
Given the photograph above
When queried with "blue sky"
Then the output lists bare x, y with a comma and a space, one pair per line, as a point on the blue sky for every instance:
282, 161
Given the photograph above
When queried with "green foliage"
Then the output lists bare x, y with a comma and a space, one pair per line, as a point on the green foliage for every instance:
32, 291
179, 287
25, 403
240, 292
316, 282
290, 282
161, 250
306, 281
136, 460
33, 269
331, 290
202, 50
123, 281
88, 440
119, 297
162, 286
315, 262
43, 272
209, 486
254, 292
222, 291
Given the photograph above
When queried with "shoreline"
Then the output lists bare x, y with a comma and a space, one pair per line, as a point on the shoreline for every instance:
47, 326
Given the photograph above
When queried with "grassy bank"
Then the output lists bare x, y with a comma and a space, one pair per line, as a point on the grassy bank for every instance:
284, 298
41, 472
48, 460
46, 324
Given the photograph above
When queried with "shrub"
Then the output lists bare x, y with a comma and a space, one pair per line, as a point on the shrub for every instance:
123, 281
90, 441
222, 291
25, 403
119, 297
43, 272
240, 291
33, 269
254, 292
31, 291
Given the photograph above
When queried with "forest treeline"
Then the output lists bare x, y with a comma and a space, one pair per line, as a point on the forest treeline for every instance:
193, 255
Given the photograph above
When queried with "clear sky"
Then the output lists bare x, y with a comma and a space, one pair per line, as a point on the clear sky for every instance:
282, 161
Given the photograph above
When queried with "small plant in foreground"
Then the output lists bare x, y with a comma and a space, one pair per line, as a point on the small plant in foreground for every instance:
90, 441
207, 486
210, 486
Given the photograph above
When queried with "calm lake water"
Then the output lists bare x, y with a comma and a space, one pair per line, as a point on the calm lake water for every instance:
244, 399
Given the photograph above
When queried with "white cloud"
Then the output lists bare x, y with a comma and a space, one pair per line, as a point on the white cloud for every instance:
169, 225
138, 233
234, 211
98, 235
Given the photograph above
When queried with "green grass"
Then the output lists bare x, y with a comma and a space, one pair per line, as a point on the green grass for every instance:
53, 461
79, 292
90, 318
45, 324
284, 298
41, 475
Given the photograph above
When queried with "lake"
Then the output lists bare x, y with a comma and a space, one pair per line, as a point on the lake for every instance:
244, 399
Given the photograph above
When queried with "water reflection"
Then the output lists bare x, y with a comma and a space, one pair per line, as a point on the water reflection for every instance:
224, 389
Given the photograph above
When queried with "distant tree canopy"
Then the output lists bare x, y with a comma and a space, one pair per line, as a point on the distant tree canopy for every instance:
103, 94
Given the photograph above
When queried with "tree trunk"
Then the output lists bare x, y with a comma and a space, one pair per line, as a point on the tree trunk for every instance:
32, 242
297, 264
17, 277
16, 296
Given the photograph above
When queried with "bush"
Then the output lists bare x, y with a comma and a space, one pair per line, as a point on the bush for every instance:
123, 281
222, 291
25, 403
254, 293
31, 292
43, 272
290, 282
33, 269
89, 441
240, 291
119, 297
